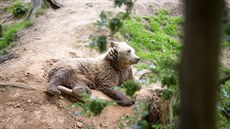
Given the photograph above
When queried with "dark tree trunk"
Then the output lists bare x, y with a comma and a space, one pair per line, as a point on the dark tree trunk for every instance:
199, 65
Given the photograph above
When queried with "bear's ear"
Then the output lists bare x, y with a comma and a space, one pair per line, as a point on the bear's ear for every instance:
113, 44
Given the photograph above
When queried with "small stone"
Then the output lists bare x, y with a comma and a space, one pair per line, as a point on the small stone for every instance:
48, 124
61, 105
61, 97
17, 105
79, 124
28, 101
89, 4
104, 124
61, 119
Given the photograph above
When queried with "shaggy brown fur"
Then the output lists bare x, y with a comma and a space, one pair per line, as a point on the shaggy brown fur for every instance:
101, 73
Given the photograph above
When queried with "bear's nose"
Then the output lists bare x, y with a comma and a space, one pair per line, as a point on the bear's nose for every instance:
137, 59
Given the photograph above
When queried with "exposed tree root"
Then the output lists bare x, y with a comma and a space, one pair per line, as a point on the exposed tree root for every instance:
4, 58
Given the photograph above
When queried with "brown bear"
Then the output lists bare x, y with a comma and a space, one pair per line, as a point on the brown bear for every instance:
101, 73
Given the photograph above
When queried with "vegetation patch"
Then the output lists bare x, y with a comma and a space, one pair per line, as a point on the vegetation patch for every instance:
9, 34
223, 105
156, 41
18, 9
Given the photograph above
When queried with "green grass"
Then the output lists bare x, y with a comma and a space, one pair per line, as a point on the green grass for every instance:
156, 41
9, 33
153, 36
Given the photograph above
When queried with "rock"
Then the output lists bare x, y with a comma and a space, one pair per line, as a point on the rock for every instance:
79, 124
61, 97
89, 4
17, 105
61, 119
104, 124
61, 106
28, 101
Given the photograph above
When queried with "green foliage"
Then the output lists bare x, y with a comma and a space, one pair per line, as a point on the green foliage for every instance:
223, 107
159, 126
226, 29
94, 107
155, 40
100, 42
104, 18
149, 40
131, 87
119, 3
136, 121
223, 111
18, 9
9, 33
113, 22
0, 30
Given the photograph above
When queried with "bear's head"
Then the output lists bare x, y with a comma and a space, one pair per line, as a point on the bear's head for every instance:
123, 54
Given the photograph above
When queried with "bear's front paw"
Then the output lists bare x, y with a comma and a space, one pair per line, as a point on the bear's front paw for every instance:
126, 102
53, 91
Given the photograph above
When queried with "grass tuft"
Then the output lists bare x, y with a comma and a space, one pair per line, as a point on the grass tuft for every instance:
9, 33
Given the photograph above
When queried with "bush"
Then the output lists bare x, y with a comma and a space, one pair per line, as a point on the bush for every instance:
18, 9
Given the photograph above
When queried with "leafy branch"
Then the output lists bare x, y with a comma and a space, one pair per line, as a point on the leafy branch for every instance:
112, 22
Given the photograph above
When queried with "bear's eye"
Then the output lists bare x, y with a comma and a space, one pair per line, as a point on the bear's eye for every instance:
129, 51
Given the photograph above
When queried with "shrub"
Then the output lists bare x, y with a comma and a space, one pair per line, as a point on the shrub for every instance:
18, 9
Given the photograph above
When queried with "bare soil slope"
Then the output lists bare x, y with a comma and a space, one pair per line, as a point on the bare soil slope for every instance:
57, 34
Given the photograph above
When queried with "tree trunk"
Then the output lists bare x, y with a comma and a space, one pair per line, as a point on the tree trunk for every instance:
199, 65
37, 4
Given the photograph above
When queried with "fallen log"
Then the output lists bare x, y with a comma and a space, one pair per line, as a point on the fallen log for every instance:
4, 58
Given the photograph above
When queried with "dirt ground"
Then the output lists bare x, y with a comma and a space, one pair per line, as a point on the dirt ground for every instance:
62, 33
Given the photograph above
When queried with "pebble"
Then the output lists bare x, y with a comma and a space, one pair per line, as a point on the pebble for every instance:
104, 124
28, 101
61, 97
79, 124
17, 105
61, 119
89, 4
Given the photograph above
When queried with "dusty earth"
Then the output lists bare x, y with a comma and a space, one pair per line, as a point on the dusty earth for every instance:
62, 33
